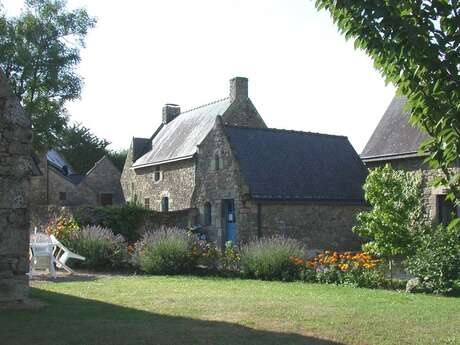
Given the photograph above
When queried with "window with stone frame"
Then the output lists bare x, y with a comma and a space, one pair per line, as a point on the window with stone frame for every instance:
207, 214
147, 202
157, 174
106, 199
445, 209
165, 204
216, 161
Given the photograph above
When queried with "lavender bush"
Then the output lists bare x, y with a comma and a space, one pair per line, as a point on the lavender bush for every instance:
165, 251
271, 258
103, 250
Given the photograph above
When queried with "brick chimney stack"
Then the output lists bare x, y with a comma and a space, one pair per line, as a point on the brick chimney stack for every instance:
170, 112
238, 89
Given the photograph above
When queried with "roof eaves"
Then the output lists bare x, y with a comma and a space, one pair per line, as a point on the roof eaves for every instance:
393, 156
305, 199
162, 162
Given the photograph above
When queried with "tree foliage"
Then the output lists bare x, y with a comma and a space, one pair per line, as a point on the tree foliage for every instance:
397, 214
415, 44
118, 158
81, 148
39, 52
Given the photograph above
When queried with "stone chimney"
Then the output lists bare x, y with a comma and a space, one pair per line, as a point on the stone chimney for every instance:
238, 89
170, 112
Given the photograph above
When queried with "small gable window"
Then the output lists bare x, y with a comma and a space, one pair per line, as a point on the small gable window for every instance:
157, 174
106, 199
216, 161
62, 196
165, 204
207, 214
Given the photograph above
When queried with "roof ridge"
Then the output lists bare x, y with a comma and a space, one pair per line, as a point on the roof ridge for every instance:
204, 105
288, 131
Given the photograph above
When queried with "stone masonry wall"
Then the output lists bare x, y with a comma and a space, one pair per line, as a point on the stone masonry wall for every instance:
178, 180
318, 226
15, 140
214, 186
105, 178
177, 183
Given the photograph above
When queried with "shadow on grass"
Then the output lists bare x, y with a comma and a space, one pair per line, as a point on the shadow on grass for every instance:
63, 278
71, 320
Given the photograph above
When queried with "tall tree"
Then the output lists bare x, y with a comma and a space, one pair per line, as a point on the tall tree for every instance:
81, 148
415, 44
39, 52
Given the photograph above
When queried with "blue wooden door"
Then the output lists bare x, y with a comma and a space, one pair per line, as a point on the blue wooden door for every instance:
230, 219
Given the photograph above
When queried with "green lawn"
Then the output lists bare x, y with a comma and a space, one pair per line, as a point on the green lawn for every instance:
193, 310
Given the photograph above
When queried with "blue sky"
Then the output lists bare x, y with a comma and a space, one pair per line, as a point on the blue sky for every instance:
302, 73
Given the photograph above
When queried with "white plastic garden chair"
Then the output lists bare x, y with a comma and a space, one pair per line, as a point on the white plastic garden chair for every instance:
62, 254
41, 249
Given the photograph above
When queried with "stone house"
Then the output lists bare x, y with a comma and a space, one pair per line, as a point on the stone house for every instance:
15, 170
246, 180
395, 141
55, 183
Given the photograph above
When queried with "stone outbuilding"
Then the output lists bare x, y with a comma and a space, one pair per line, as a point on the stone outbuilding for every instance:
395, 141
15, 170
55, 183
247, 180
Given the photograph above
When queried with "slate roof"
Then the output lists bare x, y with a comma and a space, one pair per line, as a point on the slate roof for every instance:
290, 165
394, 136
179, 138
55, 159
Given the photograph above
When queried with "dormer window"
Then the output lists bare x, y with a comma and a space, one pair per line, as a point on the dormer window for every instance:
157, 174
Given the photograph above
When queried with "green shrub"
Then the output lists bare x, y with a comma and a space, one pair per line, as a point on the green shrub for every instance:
122, 219
271, 259
102, 249
397, 213
437, 260
165, 251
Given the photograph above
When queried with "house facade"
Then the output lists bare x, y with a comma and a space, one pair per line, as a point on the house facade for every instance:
55, 183
395, 141
246, 180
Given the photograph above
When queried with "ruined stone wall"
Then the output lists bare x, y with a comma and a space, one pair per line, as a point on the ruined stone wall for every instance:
15, 140
428, 175
105, 178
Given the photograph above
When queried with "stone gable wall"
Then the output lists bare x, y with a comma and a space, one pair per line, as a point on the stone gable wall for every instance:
15, 140
105, 178
213, 185
243, 113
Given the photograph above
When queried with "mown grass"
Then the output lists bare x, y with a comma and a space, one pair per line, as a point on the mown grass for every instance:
194, 310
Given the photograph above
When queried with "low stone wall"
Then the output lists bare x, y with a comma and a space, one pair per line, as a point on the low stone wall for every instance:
15, 139
150, 219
